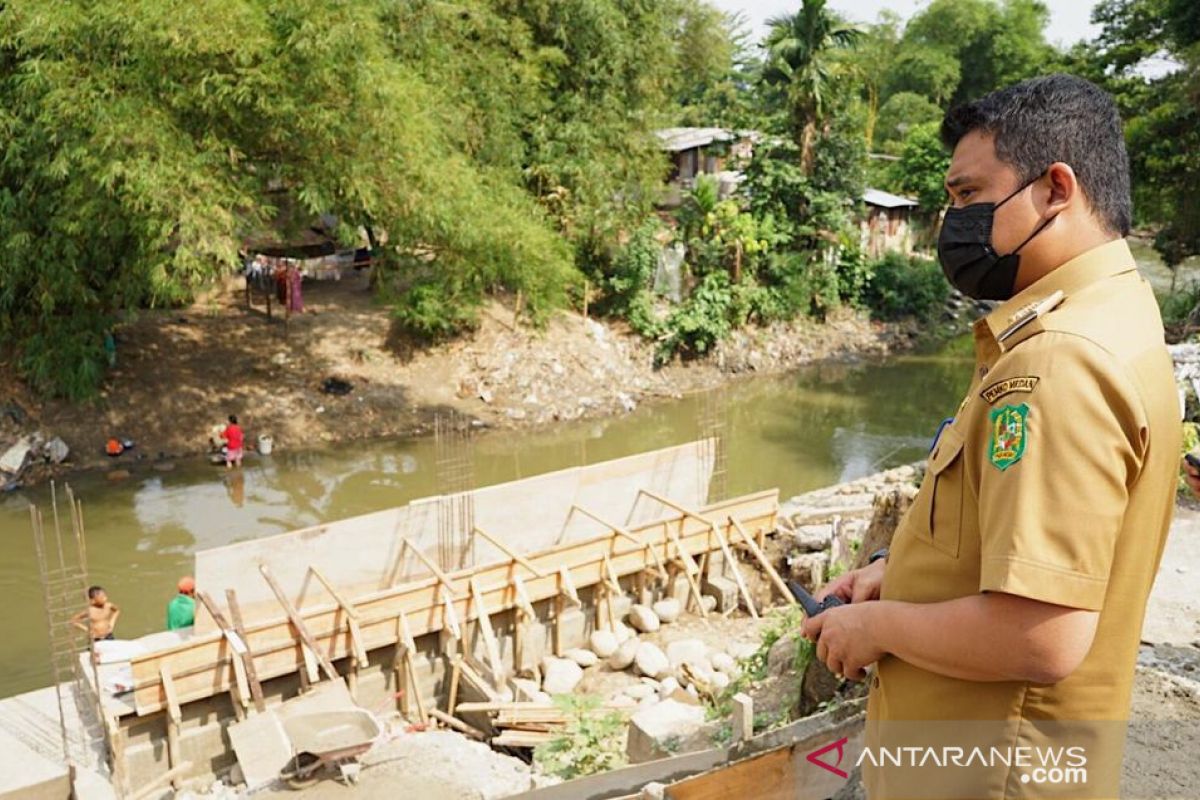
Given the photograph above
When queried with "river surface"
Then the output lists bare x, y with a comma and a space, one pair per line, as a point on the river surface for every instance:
814, 427
811, 428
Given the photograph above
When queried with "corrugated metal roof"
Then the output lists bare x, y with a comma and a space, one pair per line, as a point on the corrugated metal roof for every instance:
677, 139
878, 197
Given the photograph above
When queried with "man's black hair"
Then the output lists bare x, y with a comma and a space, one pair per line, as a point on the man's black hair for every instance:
233, 419
1056, 118
93, 591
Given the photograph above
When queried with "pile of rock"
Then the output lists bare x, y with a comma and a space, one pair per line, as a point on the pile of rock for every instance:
26, 452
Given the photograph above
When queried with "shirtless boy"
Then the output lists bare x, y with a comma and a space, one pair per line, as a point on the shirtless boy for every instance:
101, 615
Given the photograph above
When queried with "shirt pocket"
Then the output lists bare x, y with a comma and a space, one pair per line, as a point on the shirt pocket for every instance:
946, 485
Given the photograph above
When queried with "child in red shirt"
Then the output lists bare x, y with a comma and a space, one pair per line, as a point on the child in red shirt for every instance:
234, 439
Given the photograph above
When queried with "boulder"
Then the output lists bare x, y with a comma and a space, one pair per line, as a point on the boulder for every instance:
668, 686
624, 632
720, 680
741, 650
14, 458
667, 609
687, 651
640, 690
651, 661
623, 656
709, 602
56, 450
643, 618
665, 729
603, 643
781, 658
560, 675
723, 662
812, 538
583, 657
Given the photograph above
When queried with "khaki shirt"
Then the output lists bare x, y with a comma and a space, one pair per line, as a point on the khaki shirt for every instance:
1056, 482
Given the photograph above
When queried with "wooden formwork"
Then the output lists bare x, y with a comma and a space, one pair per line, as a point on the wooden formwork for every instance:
309, 640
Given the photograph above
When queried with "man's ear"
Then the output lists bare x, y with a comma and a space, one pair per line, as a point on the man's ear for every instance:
1063, 189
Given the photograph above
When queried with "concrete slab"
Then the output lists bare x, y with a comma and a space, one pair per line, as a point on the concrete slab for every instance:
28, 775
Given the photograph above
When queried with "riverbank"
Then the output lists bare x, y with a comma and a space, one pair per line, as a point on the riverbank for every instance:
178, 373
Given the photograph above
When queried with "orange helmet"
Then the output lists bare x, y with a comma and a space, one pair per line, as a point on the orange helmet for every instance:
187, 585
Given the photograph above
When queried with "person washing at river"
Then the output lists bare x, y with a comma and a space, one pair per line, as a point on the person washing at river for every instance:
101, 615
181, 611
234, 441
1007, 615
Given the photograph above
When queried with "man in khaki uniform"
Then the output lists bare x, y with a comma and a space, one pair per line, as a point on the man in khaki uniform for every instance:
1008, 612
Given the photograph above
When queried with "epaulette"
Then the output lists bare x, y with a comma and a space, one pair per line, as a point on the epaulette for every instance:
1020, 328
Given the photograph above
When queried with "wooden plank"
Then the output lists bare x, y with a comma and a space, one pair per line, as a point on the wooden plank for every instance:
297, 621
803, 736
743, 717
174, 718
512, 738
624, 534
235, 613
360, 652
457, 724
508, 551
737, 573
237, 655
155, 787
485, 627
763, 561
521, 599
769, 776
200, 669
689, 567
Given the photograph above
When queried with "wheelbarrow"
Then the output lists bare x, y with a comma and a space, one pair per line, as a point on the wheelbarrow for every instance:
330, 741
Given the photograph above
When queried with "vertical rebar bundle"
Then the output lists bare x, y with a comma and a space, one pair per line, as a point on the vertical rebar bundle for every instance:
455, 481
712, 412
62, 567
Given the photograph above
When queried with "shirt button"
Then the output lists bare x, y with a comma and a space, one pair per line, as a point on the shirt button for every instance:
983, 370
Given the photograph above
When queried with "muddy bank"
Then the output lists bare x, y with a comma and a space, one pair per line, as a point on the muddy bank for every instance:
178, 373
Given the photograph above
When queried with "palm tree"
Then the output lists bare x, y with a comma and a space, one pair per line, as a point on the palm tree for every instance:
799, 48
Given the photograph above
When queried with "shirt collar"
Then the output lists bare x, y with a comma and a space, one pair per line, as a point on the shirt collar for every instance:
1092, 266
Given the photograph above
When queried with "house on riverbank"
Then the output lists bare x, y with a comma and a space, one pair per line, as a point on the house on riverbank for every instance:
720, 152
887, 223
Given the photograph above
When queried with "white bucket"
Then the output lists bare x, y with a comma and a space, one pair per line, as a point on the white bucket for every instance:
265, 444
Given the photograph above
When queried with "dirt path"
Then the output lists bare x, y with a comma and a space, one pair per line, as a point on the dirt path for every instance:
178, 373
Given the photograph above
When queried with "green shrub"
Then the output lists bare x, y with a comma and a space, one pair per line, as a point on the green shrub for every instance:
901, 287
702, 320
589, 743
1178, 305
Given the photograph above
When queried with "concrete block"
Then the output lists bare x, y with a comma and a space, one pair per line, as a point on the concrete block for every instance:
620, 604
666, 729
725, 591
677, 587
535, 645
574, 628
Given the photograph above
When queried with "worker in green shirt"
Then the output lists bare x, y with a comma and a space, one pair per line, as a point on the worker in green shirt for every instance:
181, 611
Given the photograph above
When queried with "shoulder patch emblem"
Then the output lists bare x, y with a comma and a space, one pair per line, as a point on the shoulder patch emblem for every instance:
1008, 432
1023, 383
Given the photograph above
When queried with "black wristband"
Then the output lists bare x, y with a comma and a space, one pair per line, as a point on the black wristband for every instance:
878, 554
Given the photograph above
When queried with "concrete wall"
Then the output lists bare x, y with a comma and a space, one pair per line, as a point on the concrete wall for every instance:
364, 554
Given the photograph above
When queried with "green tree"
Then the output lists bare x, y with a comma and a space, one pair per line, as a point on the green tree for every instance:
900, 114
922, 167
799, 48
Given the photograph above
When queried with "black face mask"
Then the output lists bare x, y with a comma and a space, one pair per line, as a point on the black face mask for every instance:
965, 251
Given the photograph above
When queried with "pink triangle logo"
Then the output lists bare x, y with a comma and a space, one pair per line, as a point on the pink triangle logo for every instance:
839, 745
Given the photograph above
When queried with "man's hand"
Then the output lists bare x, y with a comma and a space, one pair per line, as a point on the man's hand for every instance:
1192, 476
858, 585
844, 640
